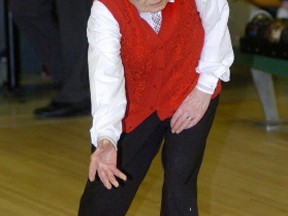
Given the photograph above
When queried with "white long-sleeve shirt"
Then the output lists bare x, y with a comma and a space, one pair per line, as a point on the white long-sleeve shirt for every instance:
106, 71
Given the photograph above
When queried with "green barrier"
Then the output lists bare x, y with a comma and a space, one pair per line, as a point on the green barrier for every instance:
266, 64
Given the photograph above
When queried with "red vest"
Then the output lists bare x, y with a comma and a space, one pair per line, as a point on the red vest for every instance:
159, 69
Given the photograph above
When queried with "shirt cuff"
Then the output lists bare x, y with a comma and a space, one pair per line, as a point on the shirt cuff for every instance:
104, 135
207, 83
114, 143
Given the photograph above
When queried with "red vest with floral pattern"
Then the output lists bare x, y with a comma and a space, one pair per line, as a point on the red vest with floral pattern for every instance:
159, 68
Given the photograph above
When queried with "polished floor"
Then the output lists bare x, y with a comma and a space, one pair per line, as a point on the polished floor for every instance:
43, 163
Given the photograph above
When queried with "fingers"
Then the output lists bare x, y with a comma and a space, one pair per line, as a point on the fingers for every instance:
178, 124
92, 170
106, 174
177, 120
190, 111
107, 177
103, 163
191, 123
120, 174
183, 122
116, 172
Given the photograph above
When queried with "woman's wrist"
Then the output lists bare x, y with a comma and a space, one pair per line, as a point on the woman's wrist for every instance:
104, 143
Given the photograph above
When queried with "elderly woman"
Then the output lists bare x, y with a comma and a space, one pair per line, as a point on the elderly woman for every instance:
155, 69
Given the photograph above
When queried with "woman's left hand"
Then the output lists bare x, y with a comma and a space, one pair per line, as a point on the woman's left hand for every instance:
190, 111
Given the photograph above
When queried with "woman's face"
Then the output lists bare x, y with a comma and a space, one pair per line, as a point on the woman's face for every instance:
149, 5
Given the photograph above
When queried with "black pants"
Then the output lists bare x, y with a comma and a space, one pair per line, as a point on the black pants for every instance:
56, 29
181, 157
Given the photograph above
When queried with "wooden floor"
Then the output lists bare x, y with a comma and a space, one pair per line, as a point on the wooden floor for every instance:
43, 163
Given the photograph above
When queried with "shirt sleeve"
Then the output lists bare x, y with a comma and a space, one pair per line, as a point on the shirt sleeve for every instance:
217, 53
106, 75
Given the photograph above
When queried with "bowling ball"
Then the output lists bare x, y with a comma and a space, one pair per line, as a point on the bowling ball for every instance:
275, 29
257, 27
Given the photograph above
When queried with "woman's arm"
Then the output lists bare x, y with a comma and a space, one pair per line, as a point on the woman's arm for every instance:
215, 61
106, 75
217, 54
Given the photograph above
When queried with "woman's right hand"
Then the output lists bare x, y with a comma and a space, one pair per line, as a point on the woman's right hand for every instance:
103, 163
